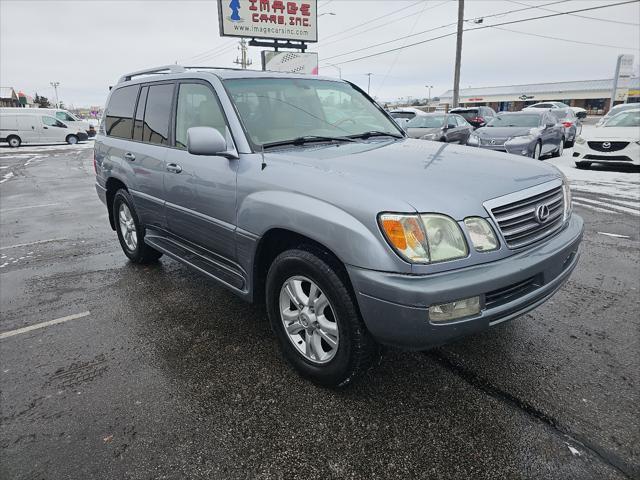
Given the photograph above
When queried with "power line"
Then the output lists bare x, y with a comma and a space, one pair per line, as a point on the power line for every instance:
485, 27
208, 52
385, 25
608, 20
385, 16
212, 56
436, 28
564, 39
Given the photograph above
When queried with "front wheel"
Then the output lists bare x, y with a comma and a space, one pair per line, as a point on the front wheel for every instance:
130, 231
536, 151
315, 318
72, 139
14, 141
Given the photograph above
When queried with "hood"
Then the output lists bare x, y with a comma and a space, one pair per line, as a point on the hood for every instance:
502, 132
406, 175
609, 133
417, 132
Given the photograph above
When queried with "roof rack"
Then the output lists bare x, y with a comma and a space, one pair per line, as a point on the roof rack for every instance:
150, 71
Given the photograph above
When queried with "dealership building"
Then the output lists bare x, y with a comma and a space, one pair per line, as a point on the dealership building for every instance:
592, 95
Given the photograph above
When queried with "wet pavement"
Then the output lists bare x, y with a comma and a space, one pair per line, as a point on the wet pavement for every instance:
169, 376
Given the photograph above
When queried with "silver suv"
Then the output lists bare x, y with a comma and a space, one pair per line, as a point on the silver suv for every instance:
303, 193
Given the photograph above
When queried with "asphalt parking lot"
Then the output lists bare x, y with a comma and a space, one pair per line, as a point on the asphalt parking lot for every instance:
162, 374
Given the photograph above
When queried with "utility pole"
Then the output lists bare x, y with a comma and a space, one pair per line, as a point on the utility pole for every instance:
369, 82
456, 75
55, 86
243, 61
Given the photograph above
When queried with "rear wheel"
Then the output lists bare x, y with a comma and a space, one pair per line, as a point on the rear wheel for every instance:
72, 139
315, 318
130, 231
14, 141
583, 165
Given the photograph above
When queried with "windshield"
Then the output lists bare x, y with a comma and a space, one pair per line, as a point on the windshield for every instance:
432, 121
281, 109
625, 119
515, 120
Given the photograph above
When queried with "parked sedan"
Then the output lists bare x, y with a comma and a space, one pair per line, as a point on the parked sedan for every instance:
617, 141
572, 125
623, 107
579, 111
440, 127
531, 134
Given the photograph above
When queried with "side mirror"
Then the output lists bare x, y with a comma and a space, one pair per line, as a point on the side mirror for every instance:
581, 115
207, 141
550, 125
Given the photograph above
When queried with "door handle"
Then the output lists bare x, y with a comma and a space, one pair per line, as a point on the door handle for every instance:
174, 168
130, 156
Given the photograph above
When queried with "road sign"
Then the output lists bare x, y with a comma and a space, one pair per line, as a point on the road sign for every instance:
290, 62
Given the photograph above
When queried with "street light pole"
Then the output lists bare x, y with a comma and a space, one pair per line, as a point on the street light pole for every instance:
55, 88
429, 87
456, 75
369, 82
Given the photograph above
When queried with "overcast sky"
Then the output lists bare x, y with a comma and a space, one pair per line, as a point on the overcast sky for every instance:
86, 45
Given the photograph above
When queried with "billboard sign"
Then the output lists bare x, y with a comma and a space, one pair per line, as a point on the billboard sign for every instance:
271, 19
290, 62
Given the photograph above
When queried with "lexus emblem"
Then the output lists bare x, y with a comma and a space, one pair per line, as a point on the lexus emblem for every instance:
542, 213
606, 144
493, 142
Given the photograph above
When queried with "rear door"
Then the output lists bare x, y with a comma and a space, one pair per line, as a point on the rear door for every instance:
200, 189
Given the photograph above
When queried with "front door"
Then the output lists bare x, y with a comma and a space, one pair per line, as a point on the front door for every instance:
52, 130
200, 190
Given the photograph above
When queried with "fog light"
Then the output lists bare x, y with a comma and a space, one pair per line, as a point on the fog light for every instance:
453, 310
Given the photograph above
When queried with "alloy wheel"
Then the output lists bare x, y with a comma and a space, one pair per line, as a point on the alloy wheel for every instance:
127, 227
309, 319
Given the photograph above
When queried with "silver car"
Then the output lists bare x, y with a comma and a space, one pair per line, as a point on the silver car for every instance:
301, 192
531, 133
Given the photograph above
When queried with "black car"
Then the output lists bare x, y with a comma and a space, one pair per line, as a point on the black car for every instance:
476, 116
440, 127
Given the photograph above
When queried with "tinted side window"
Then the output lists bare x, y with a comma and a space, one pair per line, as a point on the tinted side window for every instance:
119, 113
197, 107
142, 102
157, 113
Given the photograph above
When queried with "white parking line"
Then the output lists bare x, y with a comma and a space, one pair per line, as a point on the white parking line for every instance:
18, 331
615, 235
29, 206
33, 243
609, 206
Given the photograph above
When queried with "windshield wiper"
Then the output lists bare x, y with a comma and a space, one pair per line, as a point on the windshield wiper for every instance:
375, 133
308, 139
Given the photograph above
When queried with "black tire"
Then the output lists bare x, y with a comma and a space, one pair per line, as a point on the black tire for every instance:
142, 253
560, 150
14, 141
72, 139
569, 144
356, 351
583, 165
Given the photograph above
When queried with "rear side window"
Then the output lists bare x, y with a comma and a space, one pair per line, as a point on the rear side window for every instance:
138, 124
119, 113
197, 107
157, 113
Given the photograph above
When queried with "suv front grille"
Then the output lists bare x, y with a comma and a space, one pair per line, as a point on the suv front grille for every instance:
518, 221
607, 146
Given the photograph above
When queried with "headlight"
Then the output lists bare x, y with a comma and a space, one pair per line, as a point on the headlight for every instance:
424, 238
566, 192
482, 235
473, 140
520, 139
580, 140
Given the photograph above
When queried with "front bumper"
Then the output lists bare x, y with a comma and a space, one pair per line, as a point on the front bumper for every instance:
521, 149
630, 155
395, 307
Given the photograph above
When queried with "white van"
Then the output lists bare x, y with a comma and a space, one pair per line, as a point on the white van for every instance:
32, 126
65, 116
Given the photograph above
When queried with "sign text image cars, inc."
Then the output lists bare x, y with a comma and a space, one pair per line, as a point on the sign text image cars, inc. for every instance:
274, 19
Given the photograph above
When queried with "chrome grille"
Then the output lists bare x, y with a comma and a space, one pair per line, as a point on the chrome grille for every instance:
518, 222
607, 146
